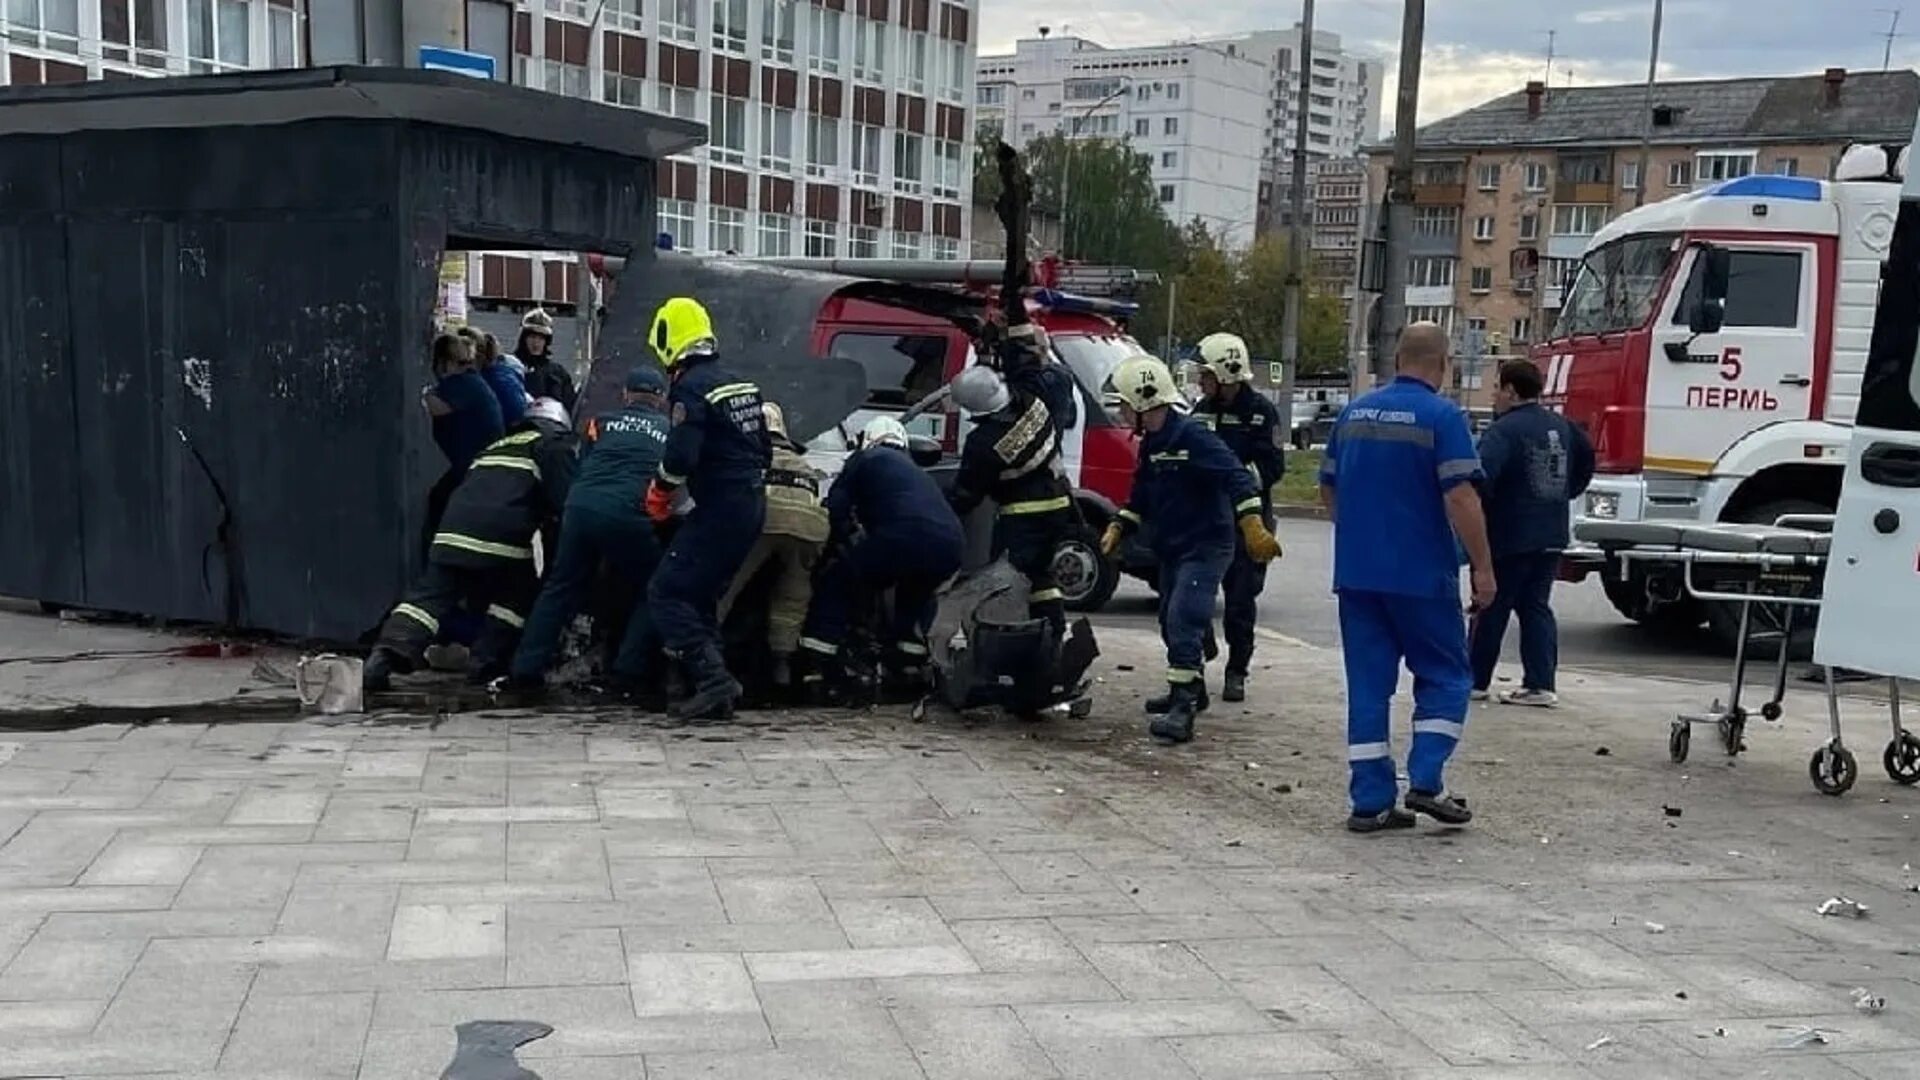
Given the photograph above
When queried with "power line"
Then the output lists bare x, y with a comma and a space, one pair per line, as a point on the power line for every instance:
1893, 33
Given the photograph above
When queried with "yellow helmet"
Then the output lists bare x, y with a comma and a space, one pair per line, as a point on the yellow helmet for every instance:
682, 328
1224, 356
1144, 383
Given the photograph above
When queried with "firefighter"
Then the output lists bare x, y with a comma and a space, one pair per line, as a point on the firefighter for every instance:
1012, 456
792, 539
545, 376
1026, 359
910, 542
1250, 426
1190, 488
482, 556
719, 450
605, 523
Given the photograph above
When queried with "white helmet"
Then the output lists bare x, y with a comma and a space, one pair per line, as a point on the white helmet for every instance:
883, 431
980, 390
549, 409
1144, 383
1224, 356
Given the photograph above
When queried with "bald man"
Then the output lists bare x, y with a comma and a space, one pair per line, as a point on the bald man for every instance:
1398, 480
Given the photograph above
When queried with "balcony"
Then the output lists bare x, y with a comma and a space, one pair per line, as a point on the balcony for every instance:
1440, 194
1429, 296
1550, 299
1574, 191
1567, 245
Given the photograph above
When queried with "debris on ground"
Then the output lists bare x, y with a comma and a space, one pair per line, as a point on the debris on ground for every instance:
1672, 811
1604, 1040
1602, 752
1799, 1037
1253, 766
1234, 843
1123, 667
1840, 905
1656, 928
1680, 994
1867, 1002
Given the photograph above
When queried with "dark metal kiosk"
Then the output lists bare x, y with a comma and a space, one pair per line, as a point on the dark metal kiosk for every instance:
215, 306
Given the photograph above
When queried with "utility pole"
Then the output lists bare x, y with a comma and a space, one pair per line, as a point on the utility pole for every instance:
1296, 255
1393, 304
1552, 37
1893, 32
1646, 109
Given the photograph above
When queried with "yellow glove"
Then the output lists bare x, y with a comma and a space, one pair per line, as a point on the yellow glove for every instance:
1110, 540
1262, 546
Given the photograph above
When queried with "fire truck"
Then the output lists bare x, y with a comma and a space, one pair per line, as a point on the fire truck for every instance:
1704, 409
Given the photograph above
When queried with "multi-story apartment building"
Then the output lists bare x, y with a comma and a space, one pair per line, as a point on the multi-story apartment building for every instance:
1197, 111
1343, 94
57, 41
1508, 195
1341, 211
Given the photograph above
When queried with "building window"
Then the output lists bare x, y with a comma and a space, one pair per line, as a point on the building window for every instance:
727, 130
283, 35
1433, 313
823, 40
1630, 176
726, 230
946, 168
1787, 167
1529, 228
823, 144
569, 80
1483, 228
1578, 219
677, 101
1522, 330
624, 14
1490, 177
1172, 126
776, 234
946, 248
776, 138
135, 31
1169, 159
676, 220
907, 245
776, 31
821, 239
625, 90
870, 50
1713, 168
217, 32
1536, 176
680, 20
1142, 128
1436, 220
1173, 91
1166, 193
1482, 279
1429, 273
953, 70
863, 242
1026, 95
1679, 174
908, 155
866, 154
1477, 325
1026, 129
1094, 90
730, 27
913, 66
54, 25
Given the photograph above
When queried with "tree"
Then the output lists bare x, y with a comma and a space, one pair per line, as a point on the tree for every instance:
1100, 190
1245, 293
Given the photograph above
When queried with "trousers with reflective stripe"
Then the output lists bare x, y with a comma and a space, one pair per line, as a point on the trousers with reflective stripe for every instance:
1377, 632
1187, 589
504, 591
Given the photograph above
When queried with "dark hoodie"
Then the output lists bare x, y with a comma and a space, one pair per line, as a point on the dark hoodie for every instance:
545, 378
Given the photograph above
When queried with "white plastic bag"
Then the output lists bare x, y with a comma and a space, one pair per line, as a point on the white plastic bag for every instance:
330, 683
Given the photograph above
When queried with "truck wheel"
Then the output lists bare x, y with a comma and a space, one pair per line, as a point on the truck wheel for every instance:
1630, 599
1087, 578
1723, 620
1303, 440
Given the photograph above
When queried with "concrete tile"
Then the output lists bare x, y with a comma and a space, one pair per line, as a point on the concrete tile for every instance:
860, 963
1199, 926
218, 882
494, 815
1118, 1059
756, 938
973, 1044
1165, 970
1084, 1021
21, 1018
669, 984
51, 969
888, 921
268, 806
1220, 1057
1017, 905
141, 925
1306, 998
640, 804
1447, 976
447, 931
589, 1021
317, 1035
1018, 945
339, 911
773, 900
1052, 872
348, 819
852, 1011
800, 1060
337, 974
560, 954
384, 765
458, 843
127, 862
677, 889
1466, 1029
995, 988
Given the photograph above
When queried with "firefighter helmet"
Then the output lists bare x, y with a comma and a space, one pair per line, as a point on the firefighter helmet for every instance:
776, 419
980, 390
1224, 356
537, 321
883, 431
550, 410
682, 328
1144, 383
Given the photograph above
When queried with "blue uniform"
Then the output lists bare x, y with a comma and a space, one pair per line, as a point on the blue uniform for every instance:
1392, 457
604, 523
1191, 489
910, 542
1250, 426
719, 449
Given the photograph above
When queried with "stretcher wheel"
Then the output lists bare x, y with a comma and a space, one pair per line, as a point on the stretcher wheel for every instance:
1732, 727
1770, 711
1678, 741
1833, 769
1902, 758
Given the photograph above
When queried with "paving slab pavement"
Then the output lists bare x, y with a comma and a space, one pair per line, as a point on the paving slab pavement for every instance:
829, 894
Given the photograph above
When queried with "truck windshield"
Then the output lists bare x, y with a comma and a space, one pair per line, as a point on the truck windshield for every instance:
1093, 359
1616, 287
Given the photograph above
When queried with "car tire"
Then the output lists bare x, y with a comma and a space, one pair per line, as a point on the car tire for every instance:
1303, 440
1723, 620
1630, 600
1086, 577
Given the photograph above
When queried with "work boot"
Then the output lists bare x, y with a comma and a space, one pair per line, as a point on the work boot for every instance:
782, 673
1391, 818
376, 676
1441, 807
1158, 706
1234, 687
648, 695
714, 691
1176, 725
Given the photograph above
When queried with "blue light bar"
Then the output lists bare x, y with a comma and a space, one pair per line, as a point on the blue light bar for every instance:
1055, 300
1798, 188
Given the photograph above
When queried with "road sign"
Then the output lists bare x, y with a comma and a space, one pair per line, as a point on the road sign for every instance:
458, 61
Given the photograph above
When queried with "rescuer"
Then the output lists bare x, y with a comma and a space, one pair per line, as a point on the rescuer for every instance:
546, 377
719, 450
481, 558
1250, 426
605, 523
909, 541
792, 539
1012, 456
1190, 489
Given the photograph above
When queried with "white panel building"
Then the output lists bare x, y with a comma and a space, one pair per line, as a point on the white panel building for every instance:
1343, 96
1198, 111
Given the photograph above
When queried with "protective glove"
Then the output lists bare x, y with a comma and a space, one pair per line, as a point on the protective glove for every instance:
659, 503
1262, 546
1110, 540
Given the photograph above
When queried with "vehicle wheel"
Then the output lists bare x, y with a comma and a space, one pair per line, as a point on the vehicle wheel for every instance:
1833, 770
1902, 759
1679, 740
1770, 711
1303, 440
1629, 598
1723, 620
1086, 577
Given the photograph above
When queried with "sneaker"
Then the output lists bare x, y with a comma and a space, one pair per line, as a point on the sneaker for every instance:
1391, 818
1478, 695
1442, 807
1537, 699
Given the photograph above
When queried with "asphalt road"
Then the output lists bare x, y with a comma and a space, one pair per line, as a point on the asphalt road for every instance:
1298, 603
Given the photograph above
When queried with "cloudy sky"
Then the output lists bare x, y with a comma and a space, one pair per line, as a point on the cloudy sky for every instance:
1478, 49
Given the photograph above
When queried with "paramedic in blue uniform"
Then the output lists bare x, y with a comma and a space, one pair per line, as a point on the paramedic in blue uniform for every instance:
1189, 490
719, 450
1250, 426
1398, 480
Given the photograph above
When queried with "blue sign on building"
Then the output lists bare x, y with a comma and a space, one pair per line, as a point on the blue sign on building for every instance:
458, 61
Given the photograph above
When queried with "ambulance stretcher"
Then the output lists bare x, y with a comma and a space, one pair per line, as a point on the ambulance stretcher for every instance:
1779, 565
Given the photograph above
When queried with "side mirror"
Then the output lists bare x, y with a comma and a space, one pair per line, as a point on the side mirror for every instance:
1709, 312
924, 451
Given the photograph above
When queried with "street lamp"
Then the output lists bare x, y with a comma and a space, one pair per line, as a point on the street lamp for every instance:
1066, 175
